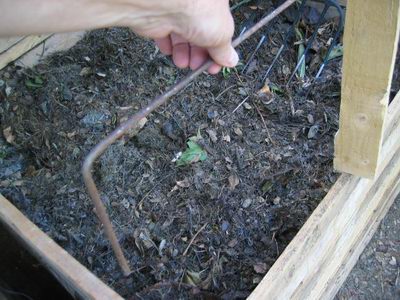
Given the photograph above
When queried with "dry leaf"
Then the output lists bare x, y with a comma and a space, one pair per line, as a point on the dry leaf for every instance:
85, 71
143, 240
260, 268
228, 160
233, 181
70, 135
192, 278
247, 106
238, 131
233, 243
265, 90
184, 183
7, 133
212, 134
227, 138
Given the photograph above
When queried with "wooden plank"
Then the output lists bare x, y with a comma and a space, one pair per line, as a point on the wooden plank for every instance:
57, 42
6, 43
370, 44
322, 254
20, 48
79, 281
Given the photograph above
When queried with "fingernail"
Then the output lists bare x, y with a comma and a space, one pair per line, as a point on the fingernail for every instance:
234, 58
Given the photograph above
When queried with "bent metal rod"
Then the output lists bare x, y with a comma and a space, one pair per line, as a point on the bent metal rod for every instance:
102, 146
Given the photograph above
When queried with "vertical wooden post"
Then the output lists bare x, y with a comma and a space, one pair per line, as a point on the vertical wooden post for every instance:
370, 45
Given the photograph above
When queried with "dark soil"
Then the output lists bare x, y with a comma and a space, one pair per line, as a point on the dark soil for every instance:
269, 162
22, 276
377, 273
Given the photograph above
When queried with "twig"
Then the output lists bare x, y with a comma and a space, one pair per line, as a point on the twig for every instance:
223, 92
193, 238
151, 190
265, 124
239, 4
276, 243
240, 104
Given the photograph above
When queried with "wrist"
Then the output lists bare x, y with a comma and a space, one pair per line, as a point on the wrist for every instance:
143, 14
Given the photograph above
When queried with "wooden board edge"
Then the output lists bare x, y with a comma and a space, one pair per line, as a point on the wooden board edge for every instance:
348, 264
78, 280
56, 42
322, 254
21, 48
7, 43
365, 87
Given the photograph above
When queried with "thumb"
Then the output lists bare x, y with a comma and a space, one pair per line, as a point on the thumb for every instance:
224, 55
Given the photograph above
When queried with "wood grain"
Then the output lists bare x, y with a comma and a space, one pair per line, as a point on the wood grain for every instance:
56, 42
6, 43
79, 281
322, 254
370, 45
20, 48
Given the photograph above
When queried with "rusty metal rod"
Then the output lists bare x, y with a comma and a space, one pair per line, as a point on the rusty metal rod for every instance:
101, 147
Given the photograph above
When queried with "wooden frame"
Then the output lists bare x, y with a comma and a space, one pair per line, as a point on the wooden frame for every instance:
317, 261
76, 279
27, 51
322, 254
313, 266
13, 48
371, 39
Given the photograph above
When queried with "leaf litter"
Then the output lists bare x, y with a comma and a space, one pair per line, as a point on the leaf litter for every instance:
229, 179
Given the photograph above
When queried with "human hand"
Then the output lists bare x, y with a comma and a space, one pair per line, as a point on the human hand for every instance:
189, 30
207, 31
199, 30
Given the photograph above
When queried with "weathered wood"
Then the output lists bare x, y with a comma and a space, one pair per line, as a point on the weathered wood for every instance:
370, 44
322, 254
20, 48
57, 42
27, 51
6, 43
72, 275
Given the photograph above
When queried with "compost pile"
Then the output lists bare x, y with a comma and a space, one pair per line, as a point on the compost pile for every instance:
208, 226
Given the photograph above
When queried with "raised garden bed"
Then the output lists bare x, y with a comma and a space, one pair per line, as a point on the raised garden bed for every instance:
212, 228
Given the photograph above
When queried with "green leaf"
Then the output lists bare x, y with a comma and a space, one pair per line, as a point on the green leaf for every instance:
302, 69
226, 72
34, 83
267, 186
275, 89
3, 154
337, 51
192, 154
197, 137
192, 278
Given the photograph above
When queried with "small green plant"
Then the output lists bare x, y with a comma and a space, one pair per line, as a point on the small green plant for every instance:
3, 154
34, 82
302, 69
192, 154
226, 72
276, 89
337, 51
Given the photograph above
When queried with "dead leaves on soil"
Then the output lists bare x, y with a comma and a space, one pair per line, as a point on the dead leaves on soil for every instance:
8, 135
233, 181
